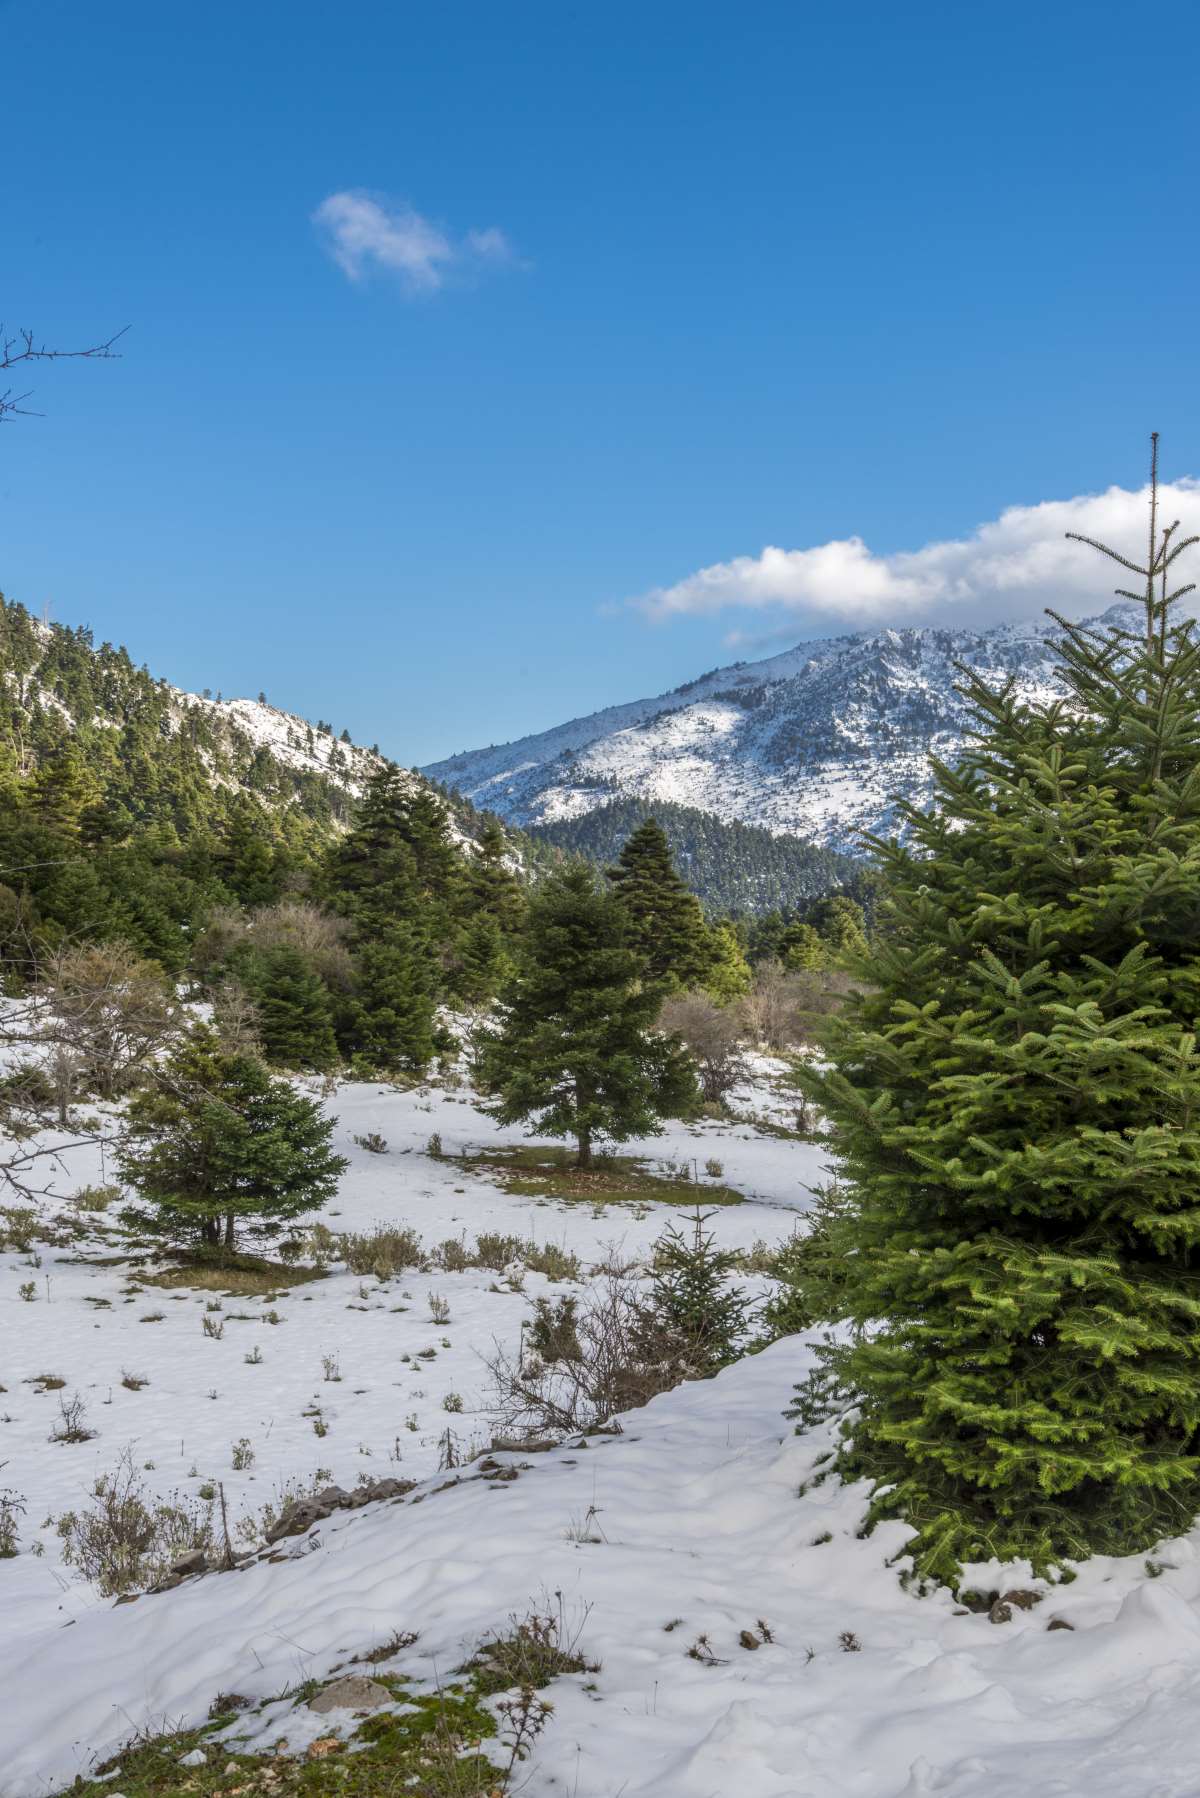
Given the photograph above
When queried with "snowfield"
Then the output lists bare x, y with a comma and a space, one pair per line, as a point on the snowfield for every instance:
685, 1532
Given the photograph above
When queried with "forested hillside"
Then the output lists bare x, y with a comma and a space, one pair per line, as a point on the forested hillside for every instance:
733, 868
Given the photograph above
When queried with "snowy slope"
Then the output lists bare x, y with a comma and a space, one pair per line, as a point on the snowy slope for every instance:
692, 1523
815, 742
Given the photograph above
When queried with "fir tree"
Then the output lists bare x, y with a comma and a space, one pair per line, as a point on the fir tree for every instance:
802, 947
64, 791
666, 921
398, 862
694, 1314
218, 1144
492, 906
577, 1051
728, 976
295, 1019
392, 1014
838, 921
1016, 1095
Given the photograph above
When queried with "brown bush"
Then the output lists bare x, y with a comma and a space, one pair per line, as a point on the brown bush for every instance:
711, 1035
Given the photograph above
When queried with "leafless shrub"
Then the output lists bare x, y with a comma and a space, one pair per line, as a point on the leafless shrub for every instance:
127, 1541
12, 1509
71, 1426
785, 1009
711, 1034
320, 936
290, 924
372, 1142
111, 1010
236, 1018
609, 1371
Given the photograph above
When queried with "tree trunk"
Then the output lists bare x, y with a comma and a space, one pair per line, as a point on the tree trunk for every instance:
229, 1229
210, 1231
584, 1138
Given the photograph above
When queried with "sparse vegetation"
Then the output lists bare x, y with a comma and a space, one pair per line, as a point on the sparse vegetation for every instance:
127, 1541
372, 1142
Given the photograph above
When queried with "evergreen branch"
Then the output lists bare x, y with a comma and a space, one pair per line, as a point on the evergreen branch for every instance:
1114, 555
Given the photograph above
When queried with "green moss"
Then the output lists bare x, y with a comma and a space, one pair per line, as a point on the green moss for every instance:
540, 1171
432, 1750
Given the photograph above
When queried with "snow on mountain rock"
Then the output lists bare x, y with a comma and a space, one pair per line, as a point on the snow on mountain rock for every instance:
817, 742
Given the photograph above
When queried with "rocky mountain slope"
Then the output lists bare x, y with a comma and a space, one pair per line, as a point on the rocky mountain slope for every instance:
816, 743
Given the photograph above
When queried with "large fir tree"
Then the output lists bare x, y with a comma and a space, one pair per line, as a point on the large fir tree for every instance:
1016, 1095
666, 921
577, 1051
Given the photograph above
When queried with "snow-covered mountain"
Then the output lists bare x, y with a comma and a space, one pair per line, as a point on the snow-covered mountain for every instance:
817, 742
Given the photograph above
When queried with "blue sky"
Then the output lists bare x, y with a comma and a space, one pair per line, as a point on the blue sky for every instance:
456, 327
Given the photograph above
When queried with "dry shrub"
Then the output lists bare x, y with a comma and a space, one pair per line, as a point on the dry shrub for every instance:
318, 935
127, 1541
236, 1017
711, 1035
607, 1367
110, 1012
784, 1009
387, 1250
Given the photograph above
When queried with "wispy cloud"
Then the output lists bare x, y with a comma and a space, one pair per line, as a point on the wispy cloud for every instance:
1008, 568
364, 233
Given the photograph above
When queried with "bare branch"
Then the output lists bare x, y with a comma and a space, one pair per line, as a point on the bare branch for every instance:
24, 347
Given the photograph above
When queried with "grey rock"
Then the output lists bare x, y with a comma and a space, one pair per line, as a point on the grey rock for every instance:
194, 1562
354, 1693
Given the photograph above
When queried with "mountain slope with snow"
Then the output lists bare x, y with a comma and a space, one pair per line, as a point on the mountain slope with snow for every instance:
817, 742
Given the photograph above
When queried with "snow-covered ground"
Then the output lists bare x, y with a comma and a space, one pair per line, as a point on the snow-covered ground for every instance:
688, 1525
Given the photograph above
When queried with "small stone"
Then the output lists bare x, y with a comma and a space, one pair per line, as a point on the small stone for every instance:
127, 1598
197, 1758
1059, 1623
354, 1693
1000, 1612
195, 1562
748, 1639
322, 1746
1023, 1599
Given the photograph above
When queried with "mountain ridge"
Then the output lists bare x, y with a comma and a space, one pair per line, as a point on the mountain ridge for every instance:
815, 742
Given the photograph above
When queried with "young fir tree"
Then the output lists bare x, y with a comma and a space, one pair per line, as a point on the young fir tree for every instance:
728, 976
391, 1017
694, 1315
803, 947
493, 907
1016, 1095
666, 921
219, 1144
295, 1019
839, 923
577, 1050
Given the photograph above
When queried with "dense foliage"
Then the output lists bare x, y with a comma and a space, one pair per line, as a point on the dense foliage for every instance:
577, 1051
217, 1143
1016, 1095
738, 870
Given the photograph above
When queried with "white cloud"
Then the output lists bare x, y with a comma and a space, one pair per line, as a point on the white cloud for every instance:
1009, 568
363, 233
